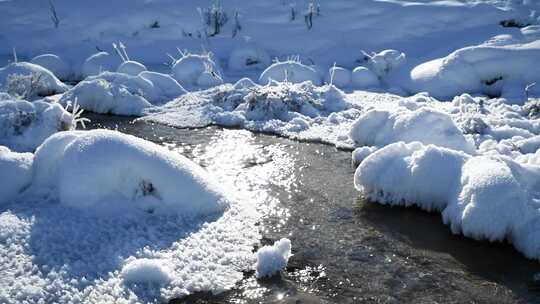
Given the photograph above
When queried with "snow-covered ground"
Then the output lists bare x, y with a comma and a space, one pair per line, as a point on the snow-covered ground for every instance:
437, 100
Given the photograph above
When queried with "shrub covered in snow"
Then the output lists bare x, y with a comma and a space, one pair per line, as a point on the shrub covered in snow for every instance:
249, 57
384, 62
109, 172
123, 94
338, 76
25, 125
15, 173
273, 259
29, 80
290, 70
188, 69
132, 68
98, 63
363, 78
382, 127
55, 64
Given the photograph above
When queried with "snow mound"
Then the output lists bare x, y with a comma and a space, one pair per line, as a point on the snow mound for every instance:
338, 76
249, 57
25, 125
490, 69
98, 63
146, 271
426, 125
189, 69
55, 64
110, 172
363, 78
291, 71
123, 94
29, 80
273, 259
132, 68
15, 173
482, 197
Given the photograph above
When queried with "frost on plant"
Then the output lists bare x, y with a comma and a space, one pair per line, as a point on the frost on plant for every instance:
213, 18
76, 117
23, 86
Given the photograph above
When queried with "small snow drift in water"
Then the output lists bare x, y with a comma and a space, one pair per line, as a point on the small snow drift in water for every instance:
29, 80
123, 94
146, 271
382, 127
363, 78
291, 71
15, 173
384, 62
55, 64
490, 69
338, 76
273, 259
111, 171
482, 197
132, 68
249, 57
25, 125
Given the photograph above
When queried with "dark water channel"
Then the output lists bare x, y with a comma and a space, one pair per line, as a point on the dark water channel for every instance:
347, 250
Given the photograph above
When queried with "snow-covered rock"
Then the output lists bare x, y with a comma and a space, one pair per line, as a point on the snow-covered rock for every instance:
110, 172
338, 76
188, 69
98, 63
383, 127
292, 71
385, 61
209, 79
363, 78
249, 57
169, 87
29, 80
15, 173
146, 271
132, 68
25, 125
272, 259
55, 64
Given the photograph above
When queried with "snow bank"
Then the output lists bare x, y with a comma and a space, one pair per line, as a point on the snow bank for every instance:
491, 69
55, 64
110, 172
123, 94
29, 80
273, 259
482, 197
132, 68
25, 125
249, 57
383, 127
292, 71
98, 63
15, 173
189, 69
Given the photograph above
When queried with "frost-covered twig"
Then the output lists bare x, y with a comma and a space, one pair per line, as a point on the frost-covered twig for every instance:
214, 18
237, 27
117, 49
528, 88
54, 16
332, 73
76, 115
15, 59
23, 86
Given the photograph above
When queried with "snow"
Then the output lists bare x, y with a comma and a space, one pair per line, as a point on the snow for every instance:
29, 80
273, 259
363, 78
382, 127
98, 63
338, 76
98, 167
25, 125
132, 68
146, 271
248, 57
290, 70
189, 70
386, 61
55, 64
15, 173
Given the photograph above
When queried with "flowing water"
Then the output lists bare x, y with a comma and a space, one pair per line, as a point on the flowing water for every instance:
346, 250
